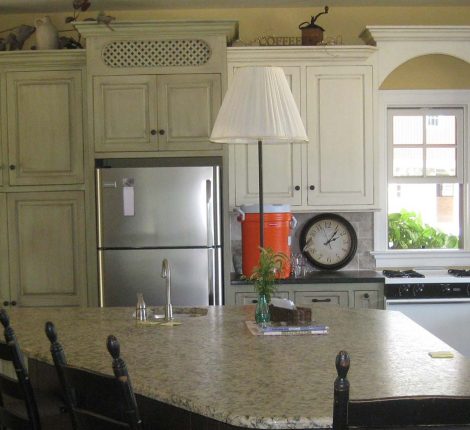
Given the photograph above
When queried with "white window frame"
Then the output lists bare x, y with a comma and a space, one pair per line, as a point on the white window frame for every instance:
419, 258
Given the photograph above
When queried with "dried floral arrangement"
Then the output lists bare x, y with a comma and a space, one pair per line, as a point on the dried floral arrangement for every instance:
80, 6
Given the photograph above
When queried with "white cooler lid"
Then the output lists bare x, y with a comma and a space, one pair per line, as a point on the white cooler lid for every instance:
267, 208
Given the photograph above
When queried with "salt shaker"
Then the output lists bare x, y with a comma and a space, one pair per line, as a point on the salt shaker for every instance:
141, 308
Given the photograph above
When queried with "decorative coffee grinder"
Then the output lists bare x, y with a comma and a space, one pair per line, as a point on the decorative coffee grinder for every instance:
312, 34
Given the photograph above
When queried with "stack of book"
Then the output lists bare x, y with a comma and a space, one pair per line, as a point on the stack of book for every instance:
282, 330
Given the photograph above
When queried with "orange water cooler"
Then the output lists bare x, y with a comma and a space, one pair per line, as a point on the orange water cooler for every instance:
278, 225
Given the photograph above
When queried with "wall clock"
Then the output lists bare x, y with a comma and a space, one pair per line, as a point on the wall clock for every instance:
328, 241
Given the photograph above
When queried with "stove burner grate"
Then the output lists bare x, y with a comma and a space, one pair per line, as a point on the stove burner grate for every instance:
403, 274
459, 273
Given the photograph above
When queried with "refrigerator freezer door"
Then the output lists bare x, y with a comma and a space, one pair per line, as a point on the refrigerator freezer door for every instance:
128, 272
158, 207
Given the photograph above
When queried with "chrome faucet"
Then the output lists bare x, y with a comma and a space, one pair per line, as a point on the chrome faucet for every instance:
166, 274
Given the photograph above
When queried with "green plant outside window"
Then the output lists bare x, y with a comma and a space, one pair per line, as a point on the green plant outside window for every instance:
406, 230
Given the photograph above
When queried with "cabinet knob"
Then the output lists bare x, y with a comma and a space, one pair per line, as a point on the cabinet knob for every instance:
153, 132
312, 187
13, 303
366, 295
12, 167
6, 303
297, 187
161, 132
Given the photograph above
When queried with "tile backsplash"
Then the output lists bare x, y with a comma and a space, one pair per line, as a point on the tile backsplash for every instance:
363, 223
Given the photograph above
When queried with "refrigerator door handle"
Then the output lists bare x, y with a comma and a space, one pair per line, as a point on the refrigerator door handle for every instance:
208, 191
211, 277
110, 184
210, 213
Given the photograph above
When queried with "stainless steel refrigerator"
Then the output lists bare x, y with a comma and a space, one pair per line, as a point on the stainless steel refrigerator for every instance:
147, 212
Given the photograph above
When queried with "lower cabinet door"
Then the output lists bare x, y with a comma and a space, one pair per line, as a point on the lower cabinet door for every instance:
47, 248
252, 298
365, 299
321, 297
4, 283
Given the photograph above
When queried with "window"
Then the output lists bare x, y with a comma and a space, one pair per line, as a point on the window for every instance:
437, 187
425, 177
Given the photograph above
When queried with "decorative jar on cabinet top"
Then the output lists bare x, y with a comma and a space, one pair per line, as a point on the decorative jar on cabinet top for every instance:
46, 34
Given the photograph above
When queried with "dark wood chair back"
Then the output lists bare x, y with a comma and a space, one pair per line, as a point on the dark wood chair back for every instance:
18, 408
395, 412
96, 401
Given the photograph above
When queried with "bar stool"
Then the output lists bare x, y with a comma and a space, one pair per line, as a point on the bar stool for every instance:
96, 401
394, 412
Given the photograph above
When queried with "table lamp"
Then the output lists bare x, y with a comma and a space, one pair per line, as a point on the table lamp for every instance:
259, 108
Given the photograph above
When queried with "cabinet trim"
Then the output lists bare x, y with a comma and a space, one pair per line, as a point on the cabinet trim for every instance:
296, 54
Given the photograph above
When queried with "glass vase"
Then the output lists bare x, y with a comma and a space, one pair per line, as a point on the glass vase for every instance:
262, 316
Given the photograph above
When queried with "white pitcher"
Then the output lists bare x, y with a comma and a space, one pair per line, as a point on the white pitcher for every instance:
46, 34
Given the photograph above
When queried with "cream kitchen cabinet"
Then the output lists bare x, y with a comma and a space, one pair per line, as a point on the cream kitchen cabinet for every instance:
368, 299
4, 273
339, 127
334, 89
252, 298
321, 297
44, 127
46, 249
155, 112
44, 179
282, 174
353, 294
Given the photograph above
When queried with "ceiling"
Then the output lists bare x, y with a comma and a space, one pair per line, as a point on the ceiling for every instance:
27, 6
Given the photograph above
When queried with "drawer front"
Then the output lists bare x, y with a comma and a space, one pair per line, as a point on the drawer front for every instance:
366, 299
321, 297
252, 298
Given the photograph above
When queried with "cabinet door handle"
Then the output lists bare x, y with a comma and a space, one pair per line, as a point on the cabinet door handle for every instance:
297, 187
153, 132
6, 303
321, 300
12, 167
254, 301
312, 187
13, 303
161, 132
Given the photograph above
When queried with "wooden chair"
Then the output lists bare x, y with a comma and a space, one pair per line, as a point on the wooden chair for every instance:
96, 401
18, 408
410, 411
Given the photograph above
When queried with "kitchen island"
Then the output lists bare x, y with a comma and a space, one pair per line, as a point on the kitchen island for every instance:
212, 368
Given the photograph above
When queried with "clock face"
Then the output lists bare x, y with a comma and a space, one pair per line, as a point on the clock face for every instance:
328, 241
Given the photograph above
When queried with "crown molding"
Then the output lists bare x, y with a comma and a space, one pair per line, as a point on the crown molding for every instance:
375, 34
295, 54
229, 29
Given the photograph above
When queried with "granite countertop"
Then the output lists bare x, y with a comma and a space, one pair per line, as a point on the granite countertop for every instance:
212, 365
324, 277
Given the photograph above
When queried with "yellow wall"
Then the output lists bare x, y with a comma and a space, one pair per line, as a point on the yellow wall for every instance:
429, 72
255, 22
346, 22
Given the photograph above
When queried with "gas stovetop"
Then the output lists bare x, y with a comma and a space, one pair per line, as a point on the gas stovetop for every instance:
426, 276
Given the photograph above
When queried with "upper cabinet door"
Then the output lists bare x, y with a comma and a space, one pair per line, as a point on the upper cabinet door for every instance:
45, 138
282, 164
125, 113
339, 127
187, 109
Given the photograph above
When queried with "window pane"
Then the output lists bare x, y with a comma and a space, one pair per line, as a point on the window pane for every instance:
407, 130
423, 216
408, 162
440, 162
440, 130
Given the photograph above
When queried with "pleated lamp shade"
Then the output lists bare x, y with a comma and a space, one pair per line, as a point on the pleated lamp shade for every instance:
259, 106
